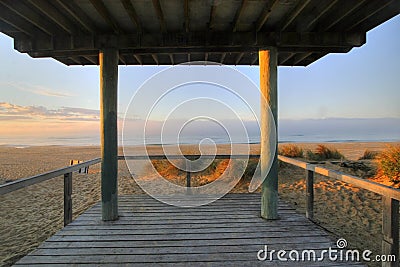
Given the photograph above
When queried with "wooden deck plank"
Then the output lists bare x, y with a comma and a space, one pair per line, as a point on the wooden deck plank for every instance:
228, 232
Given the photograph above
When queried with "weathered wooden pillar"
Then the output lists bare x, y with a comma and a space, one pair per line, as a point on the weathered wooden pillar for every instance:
108, 59
268, 86
390, 230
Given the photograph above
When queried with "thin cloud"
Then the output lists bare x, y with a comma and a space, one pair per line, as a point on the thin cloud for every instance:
16, 112
38, 89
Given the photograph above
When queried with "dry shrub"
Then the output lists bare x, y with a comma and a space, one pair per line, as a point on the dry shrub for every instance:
290, 150
323, 152
388, 162
368, 154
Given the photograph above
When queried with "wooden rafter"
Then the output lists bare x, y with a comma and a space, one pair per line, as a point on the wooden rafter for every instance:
321, 14
301, 58
155, 58
238, 14
160, 15
240, 56
348, 9
54, 14
27, 13
106, 15
186, 11
269, 6
76, 12
213, 10
132, 14
294, 14
138, 59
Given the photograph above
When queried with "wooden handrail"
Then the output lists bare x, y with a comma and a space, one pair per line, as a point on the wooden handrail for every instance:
380, 189
390, 202
21, 183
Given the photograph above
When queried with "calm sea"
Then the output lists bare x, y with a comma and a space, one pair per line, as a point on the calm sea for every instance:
293, 138
327, 130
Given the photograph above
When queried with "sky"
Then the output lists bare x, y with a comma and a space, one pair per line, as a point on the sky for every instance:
44, 97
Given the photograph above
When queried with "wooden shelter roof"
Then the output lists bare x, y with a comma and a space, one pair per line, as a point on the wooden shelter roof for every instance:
164, 32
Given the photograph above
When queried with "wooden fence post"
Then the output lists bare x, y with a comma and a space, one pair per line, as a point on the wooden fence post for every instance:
67, 198
390, 230
310, 194
188, 178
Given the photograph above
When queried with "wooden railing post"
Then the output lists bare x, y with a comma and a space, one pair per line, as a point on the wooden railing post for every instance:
67, 198
310, 194
188, 178
390, 230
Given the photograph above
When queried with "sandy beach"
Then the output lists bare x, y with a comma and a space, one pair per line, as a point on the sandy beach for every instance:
31, 215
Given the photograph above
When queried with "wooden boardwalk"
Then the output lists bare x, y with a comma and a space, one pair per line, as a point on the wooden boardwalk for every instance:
228, 232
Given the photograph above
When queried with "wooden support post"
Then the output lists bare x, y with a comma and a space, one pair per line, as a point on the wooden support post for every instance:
108, 59
67, 198
310, 194
188, 178
268, 60
390, 230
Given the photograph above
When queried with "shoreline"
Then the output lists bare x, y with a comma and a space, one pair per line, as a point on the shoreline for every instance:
338, 141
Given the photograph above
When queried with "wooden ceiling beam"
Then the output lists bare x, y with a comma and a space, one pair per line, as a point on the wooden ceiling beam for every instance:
302, 57
254, 60
213, 11
55, 15
106, 15
294, 14
368, 11
186, 12
219, 42
122, 59
347, 8
266, 12
19, 23
238, 14
20, 9
76, 12
222, 58
155, 58
240, 56
321, 14
138, 59
284, 60
132, 14
160, 15
91, 59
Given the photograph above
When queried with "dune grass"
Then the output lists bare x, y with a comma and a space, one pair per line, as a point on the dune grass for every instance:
388, 162
322, 153
368, 154
291, 151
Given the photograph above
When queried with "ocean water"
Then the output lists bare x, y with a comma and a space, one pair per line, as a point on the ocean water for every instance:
326, 130
290, 138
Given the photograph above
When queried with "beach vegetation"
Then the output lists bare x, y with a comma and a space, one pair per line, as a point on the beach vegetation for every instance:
322, 153
368, 154
291, 151
388, 162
